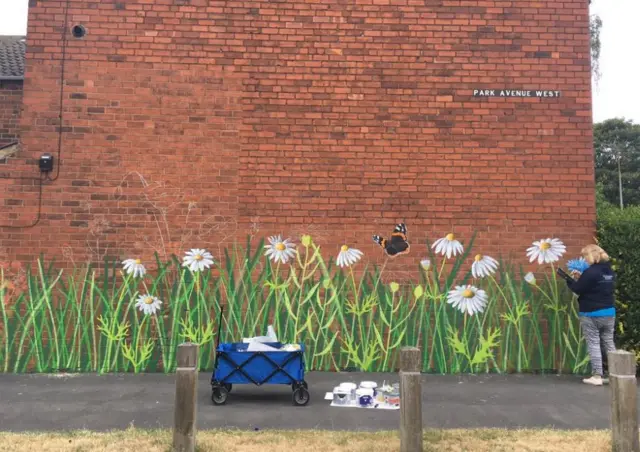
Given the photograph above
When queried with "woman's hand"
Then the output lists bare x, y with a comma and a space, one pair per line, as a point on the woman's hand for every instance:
576, 274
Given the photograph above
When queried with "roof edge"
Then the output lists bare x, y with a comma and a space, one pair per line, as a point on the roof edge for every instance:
14, 143
19, 78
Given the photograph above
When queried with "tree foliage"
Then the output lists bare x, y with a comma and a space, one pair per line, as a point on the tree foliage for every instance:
595, 26
617, 145
619, 235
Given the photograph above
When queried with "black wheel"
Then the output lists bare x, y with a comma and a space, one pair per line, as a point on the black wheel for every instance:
219, 395
228, 387
301, 396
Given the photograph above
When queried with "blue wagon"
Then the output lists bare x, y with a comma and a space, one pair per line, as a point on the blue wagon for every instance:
236, 365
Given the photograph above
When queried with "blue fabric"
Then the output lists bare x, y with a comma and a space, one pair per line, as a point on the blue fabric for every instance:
259, 368
579, 265
609, 312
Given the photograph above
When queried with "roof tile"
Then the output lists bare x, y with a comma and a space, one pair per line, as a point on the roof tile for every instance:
12, 54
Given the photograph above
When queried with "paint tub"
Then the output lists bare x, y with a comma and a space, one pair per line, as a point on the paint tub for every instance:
370, 385
365, 397
392, 398
351, 387
341, 396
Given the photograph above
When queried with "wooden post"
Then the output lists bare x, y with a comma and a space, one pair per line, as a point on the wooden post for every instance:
624, 402
410, 400
186, 402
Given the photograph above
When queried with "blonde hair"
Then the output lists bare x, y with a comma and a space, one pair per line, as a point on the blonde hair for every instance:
593, 254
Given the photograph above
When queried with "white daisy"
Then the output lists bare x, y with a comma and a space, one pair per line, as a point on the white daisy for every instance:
483, 266
530, 278
425, 264
546, 251
468, 299
280, 250
448, 246
148, 304
348, 256
197, 260
134, 266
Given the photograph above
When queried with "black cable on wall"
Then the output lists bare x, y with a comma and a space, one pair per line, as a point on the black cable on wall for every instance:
60, 118
62, 74
38, 214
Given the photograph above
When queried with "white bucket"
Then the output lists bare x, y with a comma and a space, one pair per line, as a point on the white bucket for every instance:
370, 385
341, 396
351, 387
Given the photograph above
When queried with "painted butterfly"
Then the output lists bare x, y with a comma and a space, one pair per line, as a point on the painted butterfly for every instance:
397, 244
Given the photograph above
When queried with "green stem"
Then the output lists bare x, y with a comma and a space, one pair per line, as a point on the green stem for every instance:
556, 304
301, 297
356, 289
441, 319
444, 262
31, 314
37, 332
77, 336
94, 341
389, 331
5, 322
46, 291
465, 340
138, 363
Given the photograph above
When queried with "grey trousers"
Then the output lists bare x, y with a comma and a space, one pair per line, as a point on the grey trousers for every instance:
598, 331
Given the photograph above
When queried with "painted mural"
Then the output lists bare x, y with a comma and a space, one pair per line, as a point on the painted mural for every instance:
468, 312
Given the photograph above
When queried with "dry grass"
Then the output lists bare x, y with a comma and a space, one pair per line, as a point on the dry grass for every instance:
135, 440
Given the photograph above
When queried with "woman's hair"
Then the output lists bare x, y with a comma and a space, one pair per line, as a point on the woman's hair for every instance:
593, 254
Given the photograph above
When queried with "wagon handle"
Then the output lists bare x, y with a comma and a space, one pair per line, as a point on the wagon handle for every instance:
219, 326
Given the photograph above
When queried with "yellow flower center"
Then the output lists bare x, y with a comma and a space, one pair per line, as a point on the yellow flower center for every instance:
468, 293
148, 300
544, 246
281, 246
344, 248
478, 257
138, 261
198, 257
451, 237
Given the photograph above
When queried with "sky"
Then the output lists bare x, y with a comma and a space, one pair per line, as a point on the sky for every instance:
617, 94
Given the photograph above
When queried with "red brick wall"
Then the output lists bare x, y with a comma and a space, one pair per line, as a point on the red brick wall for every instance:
187, 123
10, 106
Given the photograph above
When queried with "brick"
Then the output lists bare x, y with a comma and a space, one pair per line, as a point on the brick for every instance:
296, 116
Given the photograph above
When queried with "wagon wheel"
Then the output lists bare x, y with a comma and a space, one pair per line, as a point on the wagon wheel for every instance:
219, 395
301, 396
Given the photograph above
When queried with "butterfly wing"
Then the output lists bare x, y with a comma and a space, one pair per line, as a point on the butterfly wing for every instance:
398, 243
401, 228
380, 241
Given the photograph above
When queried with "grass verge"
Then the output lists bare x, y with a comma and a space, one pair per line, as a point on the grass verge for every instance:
134, 440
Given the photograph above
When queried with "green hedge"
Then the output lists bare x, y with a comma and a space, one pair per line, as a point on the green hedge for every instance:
619, 235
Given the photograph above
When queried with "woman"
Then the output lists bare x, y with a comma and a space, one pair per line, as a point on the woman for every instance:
595, 289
